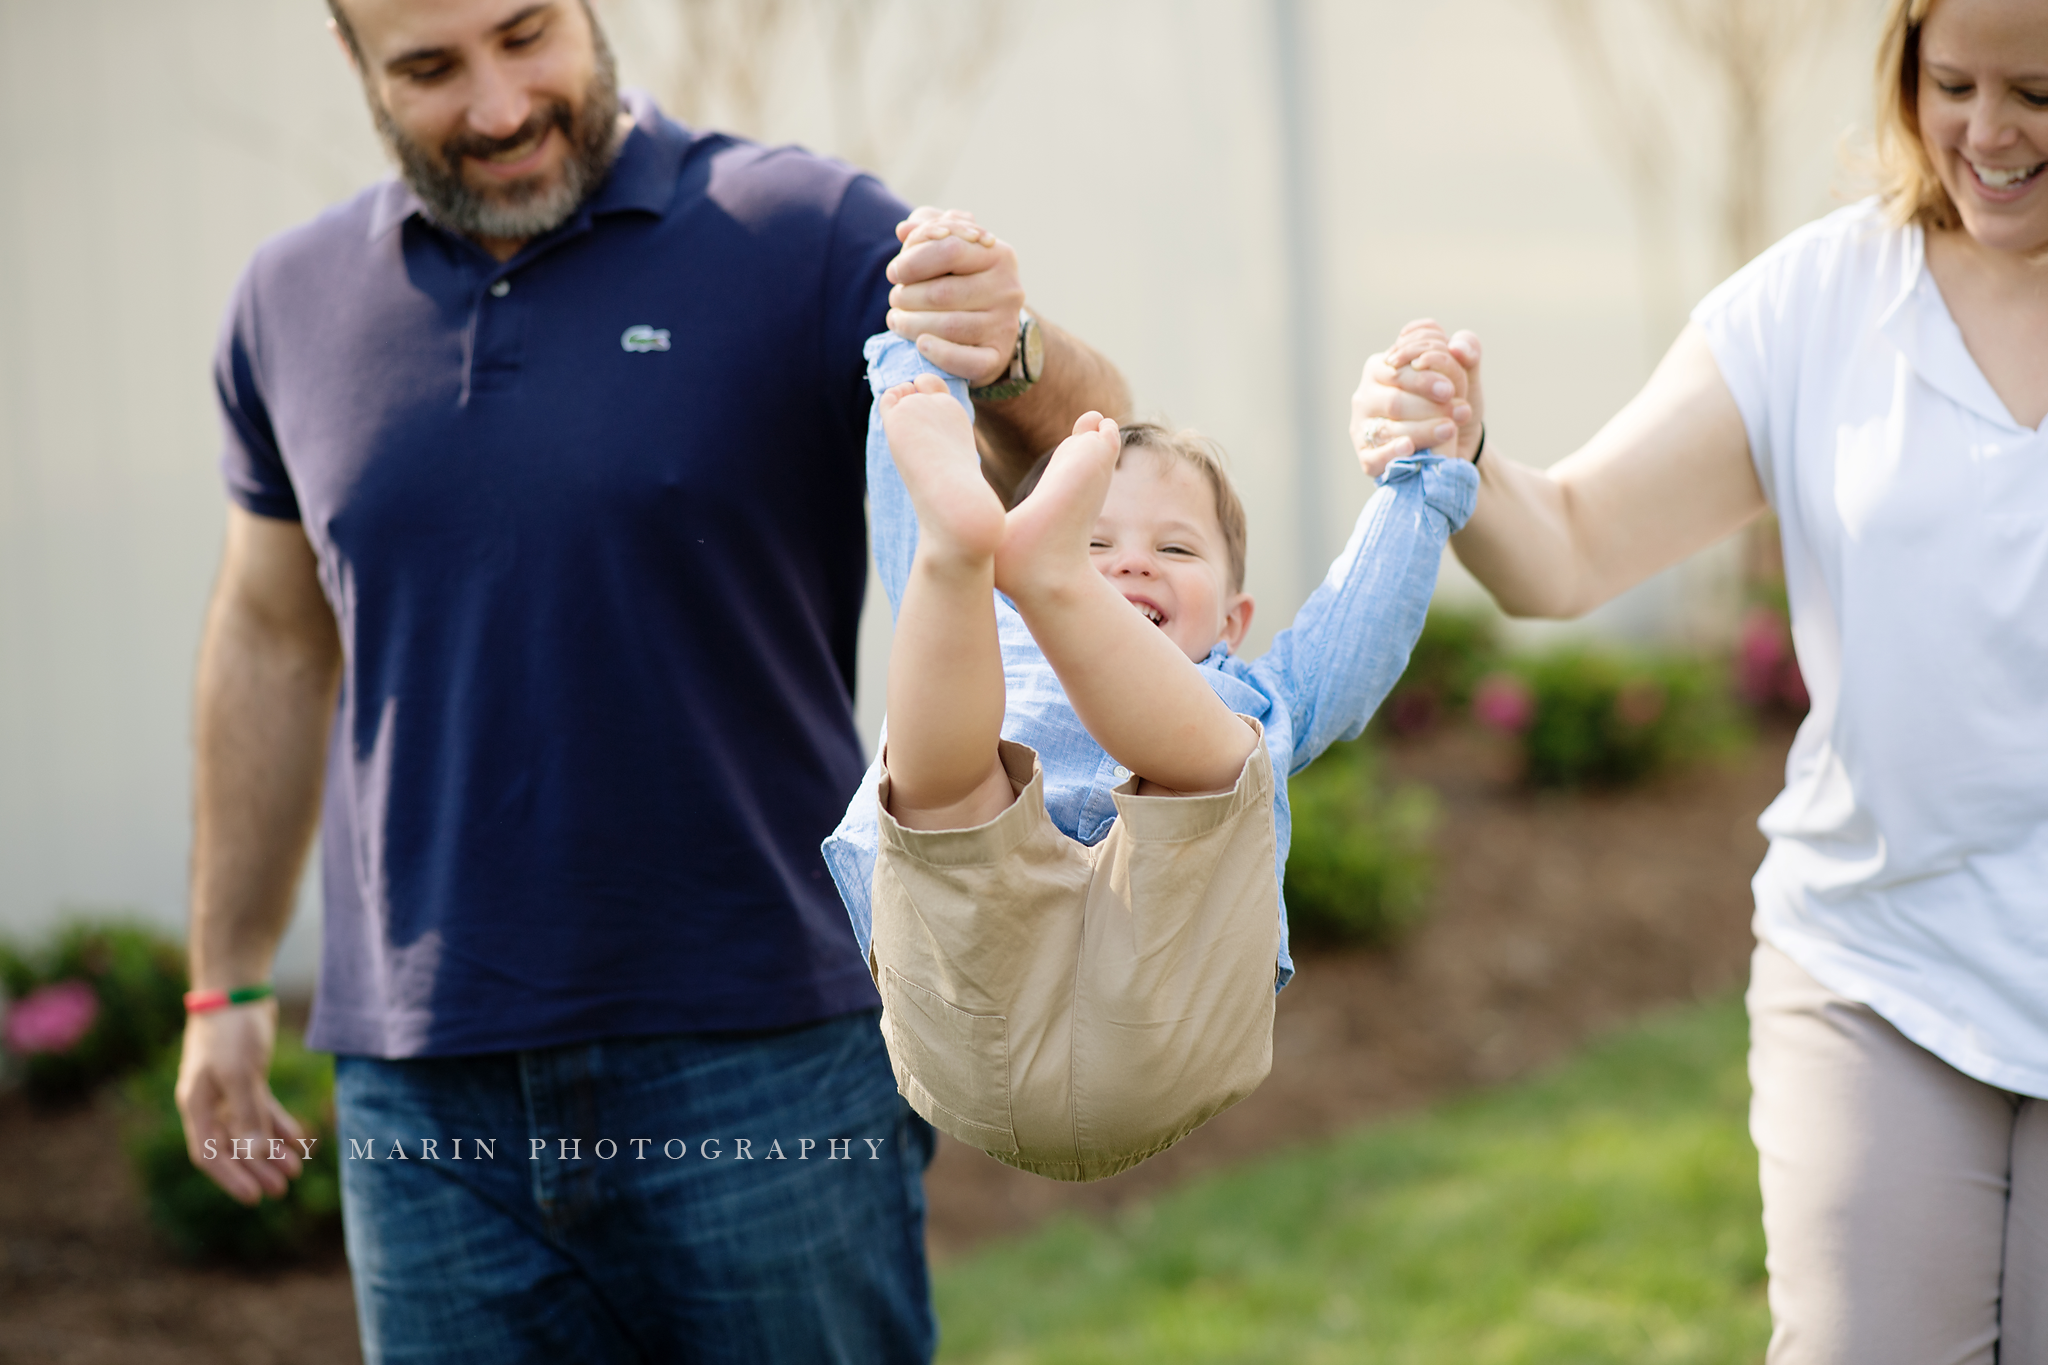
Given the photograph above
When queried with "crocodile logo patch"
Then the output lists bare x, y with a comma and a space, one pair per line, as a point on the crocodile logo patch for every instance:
641, 337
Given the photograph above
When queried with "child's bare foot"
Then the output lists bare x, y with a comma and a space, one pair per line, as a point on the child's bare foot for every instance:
959, 517
1046, 542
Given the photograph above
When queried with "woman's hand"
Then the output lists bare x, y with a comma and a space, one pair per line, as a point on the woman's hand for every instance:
1421, 393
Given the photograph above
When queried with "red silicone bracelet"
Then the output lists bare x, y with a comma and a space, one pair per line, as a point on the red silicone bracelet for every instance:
199, 1002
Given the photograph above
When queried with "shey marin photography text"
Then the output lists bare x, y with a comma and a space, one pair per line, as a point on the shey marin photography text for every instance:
565, 1149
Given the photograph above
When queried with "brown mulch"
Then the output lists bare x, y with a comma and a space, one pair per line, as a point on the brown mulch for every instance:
1555, 917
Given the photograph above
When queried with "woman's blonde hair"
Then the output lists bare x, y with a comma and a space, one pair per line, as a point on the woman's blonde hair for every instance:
1912, 191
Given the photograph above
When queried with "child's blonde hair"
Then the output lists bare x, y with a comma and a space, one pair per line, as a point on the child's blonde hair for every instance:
1192, 448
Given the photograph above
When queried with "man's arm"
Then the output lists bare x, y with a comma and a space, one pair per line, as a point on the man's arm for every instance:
956, 294
1014, 434
269, 664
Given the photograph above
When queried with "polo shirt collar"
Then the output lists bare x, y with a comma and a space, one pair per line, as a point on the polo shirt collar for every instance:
1919, 324
642, 178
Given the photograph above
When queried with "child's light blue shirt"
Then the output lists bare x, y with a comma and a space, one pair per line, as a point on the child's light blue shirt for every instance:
1319, 683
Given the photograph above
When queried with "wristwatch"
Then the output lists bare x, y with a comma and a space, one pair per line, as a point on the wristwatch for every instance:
1027, 363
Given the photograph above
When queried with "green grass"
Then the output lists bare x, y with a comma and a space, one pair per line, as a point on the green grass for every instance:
1606, 1211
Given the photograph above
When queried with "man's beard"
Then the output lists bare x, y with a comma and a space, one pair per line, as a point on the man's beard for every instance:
522, 209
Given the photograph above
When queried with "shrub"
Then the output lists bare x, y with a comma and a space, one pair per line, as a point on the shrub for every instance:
1603, 717
100, 999
192, 1213
1359, 870
1455, 650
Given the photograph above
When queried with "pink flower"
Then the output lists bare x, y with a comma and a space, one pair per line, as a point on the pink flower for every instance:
1503, 702
1761, 653
51, 1019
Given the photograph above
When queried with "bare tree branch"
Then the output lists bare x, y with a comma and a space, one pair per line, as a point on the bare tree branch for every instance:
1748, 50
727, 51
1628, 117
900, 106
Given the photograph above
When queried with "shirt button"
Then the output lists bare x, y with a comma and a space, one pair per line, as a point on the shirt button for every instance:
501, 289
1122, 773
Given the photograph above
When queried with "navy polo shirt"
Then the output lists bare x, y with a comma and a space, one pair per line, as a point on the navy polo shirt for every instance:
590, 523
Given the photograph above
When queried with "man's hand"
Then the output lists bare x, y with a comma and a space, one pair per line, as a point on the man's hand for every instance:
224, 1095
269, 666
957, 294
1420, 393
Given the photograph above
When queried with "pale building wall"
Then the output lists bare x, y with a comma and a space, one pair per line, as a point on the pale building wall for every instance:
1130, 149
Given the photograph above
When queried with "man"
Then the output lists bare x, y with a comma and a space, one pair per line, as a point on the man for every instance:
545, 561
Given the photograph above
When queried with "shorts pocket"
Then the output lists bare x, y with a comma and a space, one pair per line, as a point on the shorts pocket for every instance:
953, 1066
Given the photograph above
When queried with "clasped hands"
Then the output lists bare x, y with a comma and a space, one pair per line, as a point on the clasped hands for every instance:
956, 292
1421, 393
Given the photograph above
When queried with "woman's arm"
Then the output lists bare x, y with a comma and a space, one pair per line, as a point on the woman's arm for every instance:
1670, 475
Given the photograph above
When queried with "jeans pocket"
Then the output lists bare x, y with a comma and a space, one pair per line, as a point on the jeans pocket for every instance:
953, 1066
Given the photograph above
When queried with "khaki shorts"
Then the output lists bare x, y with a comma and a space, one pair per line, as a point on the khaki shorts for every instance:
1073, 1010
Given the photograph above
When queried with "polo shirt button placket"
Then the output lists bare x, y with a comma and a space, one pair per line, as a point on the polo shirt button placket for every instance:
495, 352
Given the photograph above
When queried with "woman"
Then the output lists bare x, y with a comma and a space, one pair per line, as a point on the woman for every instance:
1880, 380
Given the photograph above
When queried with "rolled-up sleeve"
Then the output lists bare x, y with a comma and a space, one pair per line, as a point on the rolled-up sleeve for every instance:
1351, 639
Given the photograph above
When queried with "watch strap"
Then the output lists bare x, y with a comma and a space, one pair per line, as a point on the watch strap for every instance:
1018, 379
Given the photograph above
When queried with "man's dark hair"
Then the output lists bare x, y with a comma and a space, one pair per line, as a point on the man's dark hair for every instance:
347, 32
355, 49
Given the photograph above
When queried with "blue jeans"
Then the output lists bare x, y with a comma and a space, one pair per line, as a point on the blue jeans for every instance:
771, 1210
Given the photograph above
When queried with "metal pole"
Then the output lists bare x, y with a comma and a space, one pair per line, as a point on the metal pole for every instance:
1300, 243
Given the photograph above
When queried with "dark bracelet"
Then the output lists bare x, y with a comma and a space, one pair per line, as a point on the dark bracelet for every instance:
1479, 449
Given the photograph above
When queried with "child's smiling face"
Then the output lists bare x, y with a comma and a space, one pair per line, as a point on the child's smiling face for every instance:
1159, 543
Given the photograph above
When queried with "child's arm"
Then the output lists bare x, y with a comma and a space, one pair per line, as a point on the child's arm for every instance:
945, 667
1138, 695
1348, 644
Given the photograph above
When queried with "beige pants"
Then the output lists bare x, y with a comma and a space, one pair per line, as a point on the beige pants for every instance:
1074, 1010
1905, 1204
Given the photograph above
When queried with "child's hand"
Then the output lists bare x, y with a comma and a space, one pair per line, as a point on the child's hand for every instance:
1048, 533
959, 517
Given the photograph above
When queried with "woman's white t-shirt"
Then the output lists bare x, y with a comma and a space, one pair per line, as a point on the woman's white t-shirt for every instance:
1908, 864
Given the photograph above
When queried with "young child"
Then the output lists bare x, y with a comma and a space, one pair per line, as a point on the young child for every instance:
1065, 865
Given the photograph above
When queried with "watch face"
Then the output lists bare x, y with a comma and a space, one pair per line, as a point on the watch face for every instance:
1032, 346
